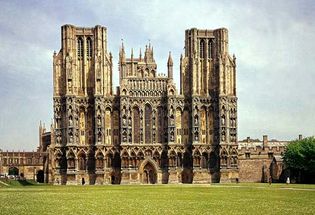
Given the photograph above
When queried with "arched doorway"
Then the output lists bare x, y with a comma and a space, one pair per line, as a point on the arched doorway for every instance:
40, 176
149, 175
13, 171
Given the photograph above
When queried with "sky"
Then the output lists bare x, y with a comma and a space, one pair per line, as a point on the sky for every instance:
273, 42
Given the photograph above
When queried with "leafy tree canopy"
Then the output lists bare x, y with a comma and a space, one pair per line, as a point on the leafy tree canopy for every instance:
300, 155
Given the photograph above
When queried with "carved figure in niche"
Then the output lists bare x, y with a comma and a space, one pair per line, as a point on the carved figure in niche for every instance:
196, 120
129, 121
99, 123
223, 136
70, 121
172, 136
232, 138
99, 137
70, 110
98, 111
123, 112
223, 120
77, 133
70, 86
124, 121
196, 136
70, 137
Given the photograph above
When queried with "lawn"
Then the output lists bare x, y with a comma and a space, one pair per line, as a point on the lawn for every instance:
159, 199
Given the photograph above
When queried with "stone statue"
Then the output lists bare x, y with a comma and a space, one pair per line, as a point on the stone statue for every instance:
223, 120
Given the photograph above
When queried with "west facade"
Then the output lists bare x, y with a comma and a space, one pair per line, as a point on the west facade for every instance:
148, 131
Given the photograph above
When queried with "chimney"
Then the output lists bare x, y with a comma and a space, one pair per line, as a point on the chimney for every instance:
265, 141
300, 137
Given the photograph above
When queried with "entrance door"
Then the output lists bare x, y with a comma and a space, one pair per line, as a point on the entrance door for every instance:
149, 174
13, 171
40, 176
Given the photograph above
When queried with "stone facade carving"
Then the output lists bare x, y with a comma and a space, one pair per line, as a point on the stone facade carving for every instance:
148, 132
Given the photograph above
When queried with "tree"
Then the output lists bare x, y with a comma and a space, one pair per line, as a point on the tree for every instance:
299, 157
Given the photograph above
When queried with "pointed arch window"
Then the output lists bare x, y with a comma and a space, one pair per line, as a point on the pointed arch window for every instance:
80, 47
202, 46
209, 49
89, 47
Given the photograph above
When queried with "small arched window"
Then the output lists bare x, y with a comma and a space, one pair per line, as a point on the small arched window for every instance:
80, 47
202, 46
89, 47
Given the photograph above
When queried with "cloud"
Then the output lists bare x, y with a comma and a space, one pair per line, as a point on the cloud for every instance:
272, 40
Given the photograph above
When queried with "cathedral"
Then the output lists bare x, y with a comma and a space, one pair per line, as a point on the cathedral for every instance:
147, 131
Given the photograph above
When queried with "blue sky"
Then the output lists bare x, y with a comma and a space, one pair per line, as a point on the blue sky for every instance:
272, 40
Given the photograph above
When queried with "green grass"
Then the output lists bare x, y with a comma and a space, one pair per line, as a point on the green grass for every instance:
16, 183
159, 199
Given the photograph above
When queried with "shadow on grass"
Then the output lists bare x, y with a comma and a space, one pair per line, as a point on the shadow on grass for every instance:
18, 183
25, 183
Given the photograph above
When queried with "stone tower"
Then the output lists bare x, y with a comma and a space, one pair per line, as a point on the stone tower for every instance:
208, 82
82, 75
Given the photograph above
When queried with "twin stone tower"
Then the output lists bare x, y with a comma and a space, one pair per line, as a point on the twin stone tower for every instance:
148, 131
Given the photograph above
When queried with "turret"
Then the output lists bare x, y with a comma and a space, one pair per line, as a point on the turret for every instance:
148, 54
170, 66
122, 62
140, 55
122, 54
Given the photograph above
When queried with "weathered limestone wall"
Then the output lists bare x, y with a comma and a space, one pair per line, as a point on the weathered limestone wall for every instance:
30, 172
254, 170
